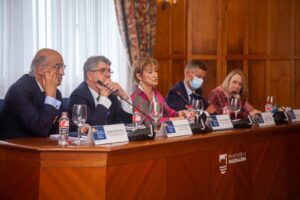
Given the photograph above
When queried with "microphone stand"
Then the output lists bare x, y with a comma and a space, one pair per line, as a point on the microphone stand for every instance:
139, 134
199, 126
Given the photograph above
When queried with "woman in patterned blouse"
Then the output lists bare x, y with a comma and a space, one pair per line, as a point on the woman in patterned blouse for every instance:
146, 76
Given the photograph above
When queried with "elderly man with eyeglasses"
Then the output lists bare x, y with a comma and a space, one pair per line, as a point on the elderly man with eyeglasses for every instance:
103, 98
33, 103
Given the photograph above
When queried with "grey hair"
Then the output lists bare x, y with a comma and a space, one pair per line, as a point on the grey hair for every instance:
92, 62
195, 64
37, 60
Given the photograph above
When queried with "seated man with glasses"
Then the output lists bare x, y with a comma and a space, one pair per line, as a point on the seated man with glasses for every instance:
32, 104
105, 100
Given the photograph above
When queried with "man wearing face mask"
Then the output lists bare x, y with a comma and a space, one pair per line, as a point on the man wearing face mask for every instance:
181, 95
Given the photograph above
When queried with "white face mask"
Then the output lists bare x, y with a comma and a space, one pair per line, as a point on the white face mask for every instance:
196, 83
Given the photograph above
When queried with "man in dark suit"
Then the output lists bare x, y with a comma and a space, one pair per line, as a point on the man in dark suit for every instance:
180, 96
103, 107
33, 103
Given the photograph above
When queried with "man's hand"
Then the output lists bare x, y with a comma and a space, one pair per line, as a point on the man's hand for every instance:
103, 91
50, 83
114, 86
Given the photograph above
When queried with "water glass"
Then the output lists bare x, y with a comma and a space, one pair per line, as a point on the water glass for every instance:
236, 105
79, 117
156, 112
198, 107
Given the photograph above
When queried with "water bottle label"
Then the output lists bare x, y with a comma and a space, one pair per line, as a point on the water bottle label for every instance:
136, 118
64, 124
268, 107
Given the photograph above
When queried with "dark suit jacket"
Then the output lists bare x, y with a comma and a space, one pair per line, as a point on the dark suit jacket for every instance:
179, 103
98, 115
25, 114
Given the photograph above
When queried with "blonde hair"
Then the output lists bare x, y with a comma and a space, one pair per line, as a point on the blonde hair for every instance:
140, 64
244, 90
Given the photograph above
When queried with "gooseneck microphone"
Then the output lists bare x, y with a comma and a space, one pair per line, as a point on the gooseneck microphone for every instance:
182, 98
139, 135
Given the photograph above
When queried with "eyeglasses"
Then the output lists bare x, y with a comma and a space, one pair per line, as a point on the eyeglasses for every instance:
103, 71
59, 67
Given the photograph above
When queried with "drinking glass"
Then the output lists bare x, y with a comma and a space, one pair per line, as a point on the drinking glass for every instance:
198, 107
235, 105
156, 112
79, 116
270, 102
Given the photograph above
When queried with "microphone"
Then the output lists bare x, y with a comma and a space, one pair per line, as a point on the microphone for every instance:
139, 134
181, 97
200, 126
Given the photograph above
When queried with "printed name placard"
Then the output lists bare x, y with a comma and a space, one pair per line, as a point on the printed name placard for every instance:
220, 122
109, 134
265, 119
177, 128
295, 115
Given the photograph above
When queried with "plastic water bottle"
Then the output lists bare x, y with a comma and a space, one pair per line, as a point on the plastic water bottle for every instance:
190, 114
136, 119
64, 123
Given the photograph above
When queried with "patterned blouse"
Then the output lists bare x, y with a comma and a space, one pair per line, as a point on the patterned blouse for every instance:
218, 98
142, 102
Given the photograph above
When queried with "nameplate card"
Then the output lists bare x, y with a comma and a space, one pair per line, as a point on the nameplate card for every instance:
295, 115
108, 134
265, 119
177, 128
220, 122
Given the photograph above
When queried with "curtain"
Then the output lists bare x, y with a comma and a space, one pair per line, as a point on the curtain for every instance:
76, 28
137, 26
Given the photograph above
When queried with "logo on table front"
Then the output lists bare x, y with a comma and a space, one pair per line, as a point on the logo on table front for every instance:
225, 160
223, 163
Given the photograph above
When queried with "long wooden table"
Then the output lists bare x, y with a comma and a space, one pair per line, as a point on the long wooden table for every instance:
256, 163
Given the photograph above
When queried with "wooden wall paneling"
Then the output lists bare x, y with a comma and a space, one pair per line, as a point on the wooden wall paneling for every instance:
296, 7
178, 42
203, 24
178, 27
268, 42
210, 81
280, 27
292, 53
280, 81
297, 85
257, 84
162, 46
177, 73
162, 32
205, 37
163, 76
234, 64
257, 23
220, 47
170, 45
236, 24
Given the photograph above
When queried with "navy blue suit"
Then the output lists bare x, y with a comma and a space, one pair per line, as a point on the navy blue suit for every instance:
178, 102
25, 114
98, 115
